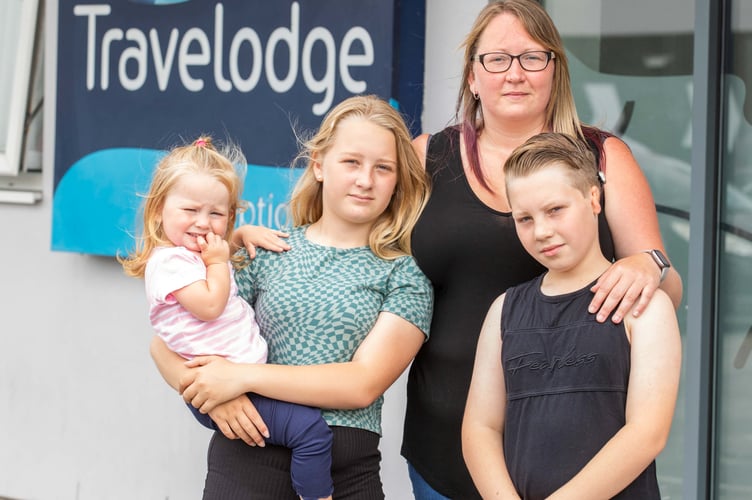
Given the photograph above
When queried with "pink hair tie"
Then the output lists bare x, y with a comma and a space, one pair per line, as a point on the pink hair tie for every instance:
200, 143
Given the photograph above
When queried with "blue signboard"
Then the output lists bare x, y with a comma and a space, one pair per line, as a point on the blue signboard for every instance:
137, 77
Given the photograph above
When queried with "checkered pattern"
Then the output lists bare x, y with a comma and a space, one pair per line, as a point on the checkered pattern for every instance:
316, 304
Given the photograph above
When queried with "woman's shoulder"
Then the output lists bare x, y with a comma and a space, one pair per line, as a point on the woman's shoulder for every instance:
449, 133
440, 139
615, 144
619, 160
442, 150
608, 147
603, 140
421, 142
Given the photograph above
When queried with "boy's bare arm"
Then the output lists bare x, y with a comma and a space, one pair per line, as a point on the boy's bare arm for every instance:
483, 423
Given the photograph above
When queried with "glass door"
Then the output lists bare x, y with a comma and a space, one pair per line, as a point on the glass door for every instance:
733, 361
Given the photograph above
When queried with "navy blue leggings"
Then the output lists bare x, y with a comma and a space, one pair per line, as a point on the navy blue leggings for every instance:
304, 431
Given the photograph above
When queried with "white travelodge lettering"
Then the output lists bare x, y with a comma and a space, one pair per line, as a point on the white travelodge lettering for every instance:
135, 53
91, 11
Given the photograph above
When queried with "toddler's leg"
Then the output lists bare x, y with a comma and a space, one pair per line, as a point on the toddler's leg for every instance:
203, 418
304, 431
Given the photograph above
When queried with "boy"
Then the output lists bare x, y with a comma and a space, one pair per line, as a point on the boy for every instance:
569, 408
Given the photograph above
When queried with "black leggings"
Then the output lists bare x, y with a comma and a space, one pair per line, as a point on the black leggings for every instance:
237, 471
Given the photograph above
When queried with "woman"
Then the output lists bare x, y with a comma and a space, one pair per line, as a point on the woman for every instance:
515, 84
344, 311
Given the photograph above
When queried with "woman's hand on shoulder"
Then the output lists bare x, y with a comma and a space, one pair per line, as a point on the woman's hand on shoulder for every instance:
250, 237
628, 285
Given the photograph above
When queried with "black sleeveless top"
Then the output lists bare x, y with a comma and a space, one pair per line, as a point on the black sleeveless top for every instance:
566, 377
471, 254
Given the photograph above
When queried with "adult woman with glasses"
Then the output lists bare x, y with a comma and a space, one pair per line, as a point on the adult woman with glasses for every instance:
515, 84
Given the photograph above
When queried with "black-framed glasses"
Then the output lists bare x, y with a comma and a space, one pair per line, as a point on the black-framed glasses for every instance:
498, 62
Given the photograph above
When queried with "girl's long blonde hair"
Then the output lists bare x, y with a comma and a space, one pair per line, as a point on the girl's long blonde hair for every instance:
390, 235
225, 163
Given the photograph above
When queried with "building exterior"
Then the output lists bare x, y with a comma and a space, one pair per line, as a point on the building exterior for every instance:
88, 417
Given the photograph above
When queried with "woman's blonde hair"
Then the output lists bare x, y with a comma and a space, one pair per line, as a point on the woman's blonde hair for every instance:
225, 163
561, 113
390, 235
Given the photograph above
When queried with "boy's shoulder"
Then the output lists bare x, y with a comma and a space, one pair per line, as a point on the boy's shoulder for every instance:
659, 309
521, 289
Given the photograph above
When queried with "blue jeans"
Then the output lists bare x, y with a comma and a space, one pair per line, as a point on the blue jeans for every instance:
421, 489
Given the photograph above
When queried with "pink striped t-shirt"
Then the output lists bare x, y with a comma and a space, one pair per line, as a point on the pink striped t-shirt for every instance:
233, 335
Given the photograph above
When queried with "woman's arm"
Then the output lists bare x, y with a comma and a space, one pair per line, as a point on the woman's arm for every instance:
236, 418
651, 397
633, 221
239, 419
483, 423
386, 351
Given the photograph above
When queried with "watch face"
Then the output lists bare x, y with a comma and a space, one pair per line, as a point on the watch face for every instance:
660, 259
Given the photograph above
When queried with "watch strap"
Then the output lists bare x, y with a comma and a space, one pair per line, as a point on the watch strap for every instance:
661, 261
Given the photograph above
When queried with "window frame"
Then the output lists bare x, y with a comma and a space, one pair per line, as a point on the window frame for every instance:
22, 70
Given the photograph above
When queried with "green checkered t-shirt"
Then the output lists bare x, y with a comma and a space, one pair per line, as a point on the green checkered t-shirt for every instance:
316, 304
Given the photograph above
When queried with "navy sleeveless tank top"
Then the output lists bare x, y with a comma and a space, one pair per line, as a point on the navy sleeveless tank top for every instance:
566, 377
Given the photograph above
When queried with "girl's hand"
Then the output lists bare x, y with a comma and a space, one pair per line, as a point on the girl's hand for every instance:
214, 250
212, 381
239, 419
250, 237
629, 284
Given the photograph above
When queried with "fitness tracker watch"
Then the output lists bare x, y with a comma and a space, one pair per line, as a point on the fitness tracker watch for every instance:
661, 261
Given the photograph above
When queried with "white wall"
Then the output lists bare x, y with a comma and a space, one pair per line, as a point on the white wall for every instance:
86, 415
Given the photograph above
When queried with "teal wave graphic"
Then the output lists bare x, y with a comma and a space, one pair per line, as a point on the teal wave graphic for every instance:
96, 205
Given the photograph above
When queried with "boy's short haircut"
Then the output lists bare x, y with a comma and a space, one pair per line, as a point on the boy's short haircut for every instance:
549, 148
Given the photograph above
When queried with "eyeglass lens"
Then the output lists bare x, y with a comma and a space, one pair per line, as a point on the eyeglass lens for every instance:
496, 62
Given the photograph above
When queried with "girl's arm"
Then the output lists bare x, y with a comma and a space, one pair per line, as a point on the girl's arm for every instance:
207, 299
651, 397
237, 418
383, 355
250, 237
633, 221
483, 423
